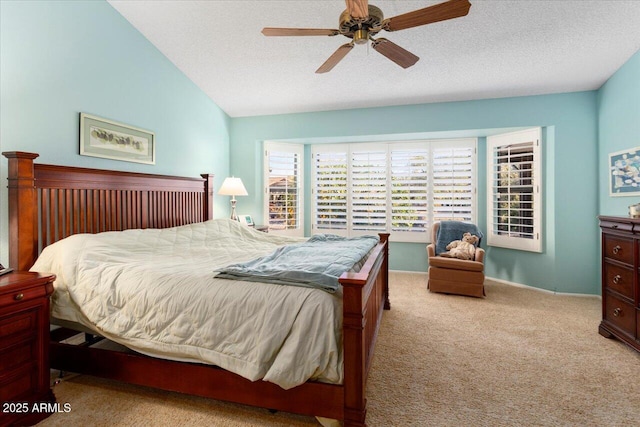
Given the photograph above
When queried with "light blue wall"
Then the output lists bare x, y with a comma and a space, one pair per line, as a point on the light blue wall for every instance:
570, 144
619, 128
60, 58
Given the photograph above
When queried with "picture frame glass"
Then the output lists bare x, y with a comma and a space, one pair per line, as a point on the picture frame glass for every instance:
624, 172
111, 140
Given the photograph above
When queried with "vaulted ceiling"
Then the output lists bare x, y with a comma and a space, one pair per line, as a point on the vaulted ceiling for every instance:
502, 48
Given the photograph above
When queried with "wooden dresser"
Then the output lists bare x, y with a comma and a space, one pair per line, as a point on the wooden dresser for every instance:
24, 348
620, 279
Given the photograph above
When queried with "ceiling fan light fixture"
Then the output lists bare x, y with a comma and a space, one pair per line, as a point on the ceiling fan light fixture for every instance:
361, 36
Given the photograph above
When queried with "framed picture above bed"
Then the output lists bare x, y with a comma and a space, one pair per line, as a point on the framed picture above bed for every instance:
111, 140
624, 172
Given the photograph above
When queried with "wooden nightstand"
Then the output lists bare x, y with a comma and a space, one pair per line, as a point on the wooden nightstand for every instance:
24, 348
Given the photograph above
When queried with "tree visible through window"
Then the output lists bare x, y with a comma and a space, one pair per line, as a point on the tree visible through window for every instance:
514, 183
283, 164
409, 188
395, 187
331, 190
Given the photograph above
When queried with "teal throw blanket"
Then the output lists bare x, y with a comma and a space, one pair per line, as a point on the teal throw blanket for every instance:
316, 263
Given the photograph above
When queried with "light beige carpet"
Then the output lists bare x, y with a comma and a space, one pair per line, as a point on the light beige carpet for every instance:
519, 357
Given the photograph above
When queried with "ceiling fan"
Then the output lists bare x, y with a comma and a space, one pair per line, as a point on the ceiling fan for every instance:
361, 21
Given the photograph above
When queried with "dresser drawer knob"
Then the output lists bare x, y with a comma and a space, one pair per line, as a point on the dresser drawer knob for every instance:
617, 312
616, 249
18, 297
617, 278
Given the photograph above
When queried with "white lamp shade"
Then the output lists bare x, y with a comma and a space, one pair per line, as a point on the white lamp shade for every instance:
232, 187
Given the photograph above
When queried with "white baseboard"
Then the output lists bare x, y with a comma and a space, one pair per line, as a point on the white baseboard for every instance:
424, 273
506, 282
520, 285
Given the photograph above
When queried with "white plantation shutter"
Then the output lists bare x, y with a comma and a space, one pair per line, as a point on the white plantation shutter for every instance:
399, 187
453, 171
330, 189
514, 182
283, 192
369, 188
410, 165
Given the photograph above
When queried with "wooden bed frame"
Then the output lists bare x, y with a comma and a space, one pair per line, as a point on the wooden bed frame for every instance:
48, 203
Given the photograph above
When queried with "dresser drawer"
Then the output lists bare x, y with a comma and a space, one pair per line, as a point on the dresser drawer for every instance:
618, 248
617, 225
18, 325
619, 279
620, 314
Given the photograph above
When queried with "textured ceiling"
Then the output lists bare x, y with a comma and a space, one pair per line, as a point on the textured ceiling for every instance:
502, 48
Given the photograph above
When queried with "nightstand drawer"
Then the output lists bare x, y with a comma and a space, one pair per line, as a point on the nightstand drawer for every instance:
17, 297
18, 355
22, 384
619, 279
19, 324
620, 314
618, 248
24, 338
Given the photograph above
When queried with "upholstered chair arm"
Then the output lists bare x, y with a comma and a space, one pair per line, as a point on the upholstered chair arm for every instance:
431, 250
480, 255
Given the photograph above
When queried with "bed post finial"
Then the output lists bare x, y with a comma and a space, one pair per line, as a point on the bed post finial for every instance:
23, 215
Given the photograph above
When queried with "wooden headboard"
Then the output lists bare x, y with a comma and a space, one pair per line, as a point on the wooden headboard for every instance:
48, 203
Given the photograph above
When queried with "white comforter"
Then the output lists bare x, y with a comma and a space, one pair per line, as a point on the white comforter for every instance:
154, 291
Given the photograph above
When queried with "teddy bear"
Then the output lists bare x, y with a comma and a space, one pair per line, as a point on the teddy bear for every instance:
462, 249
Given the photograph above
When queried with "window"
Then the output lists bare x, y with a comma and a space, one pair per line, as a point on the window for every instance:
330, 190
399, 187
514, 183
453, 180
368, 189
409, 187
283, 168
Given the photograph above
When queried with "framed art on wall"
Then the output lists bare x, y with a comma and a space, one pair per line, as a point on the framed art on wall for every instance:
624, 172
111, 140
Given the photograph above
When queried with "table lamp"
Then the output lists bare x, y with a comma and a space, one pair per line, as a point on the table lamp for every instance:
233, 187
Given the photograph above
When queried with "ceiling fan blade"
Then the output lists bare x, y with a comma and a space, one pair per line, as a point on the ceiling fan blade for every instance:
268, 31
400, 56
335, 58
358, 8
436, 13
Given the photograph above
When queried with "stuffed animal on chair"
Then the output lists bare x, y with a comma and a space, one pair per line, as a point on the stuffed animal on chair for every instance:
462, 249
